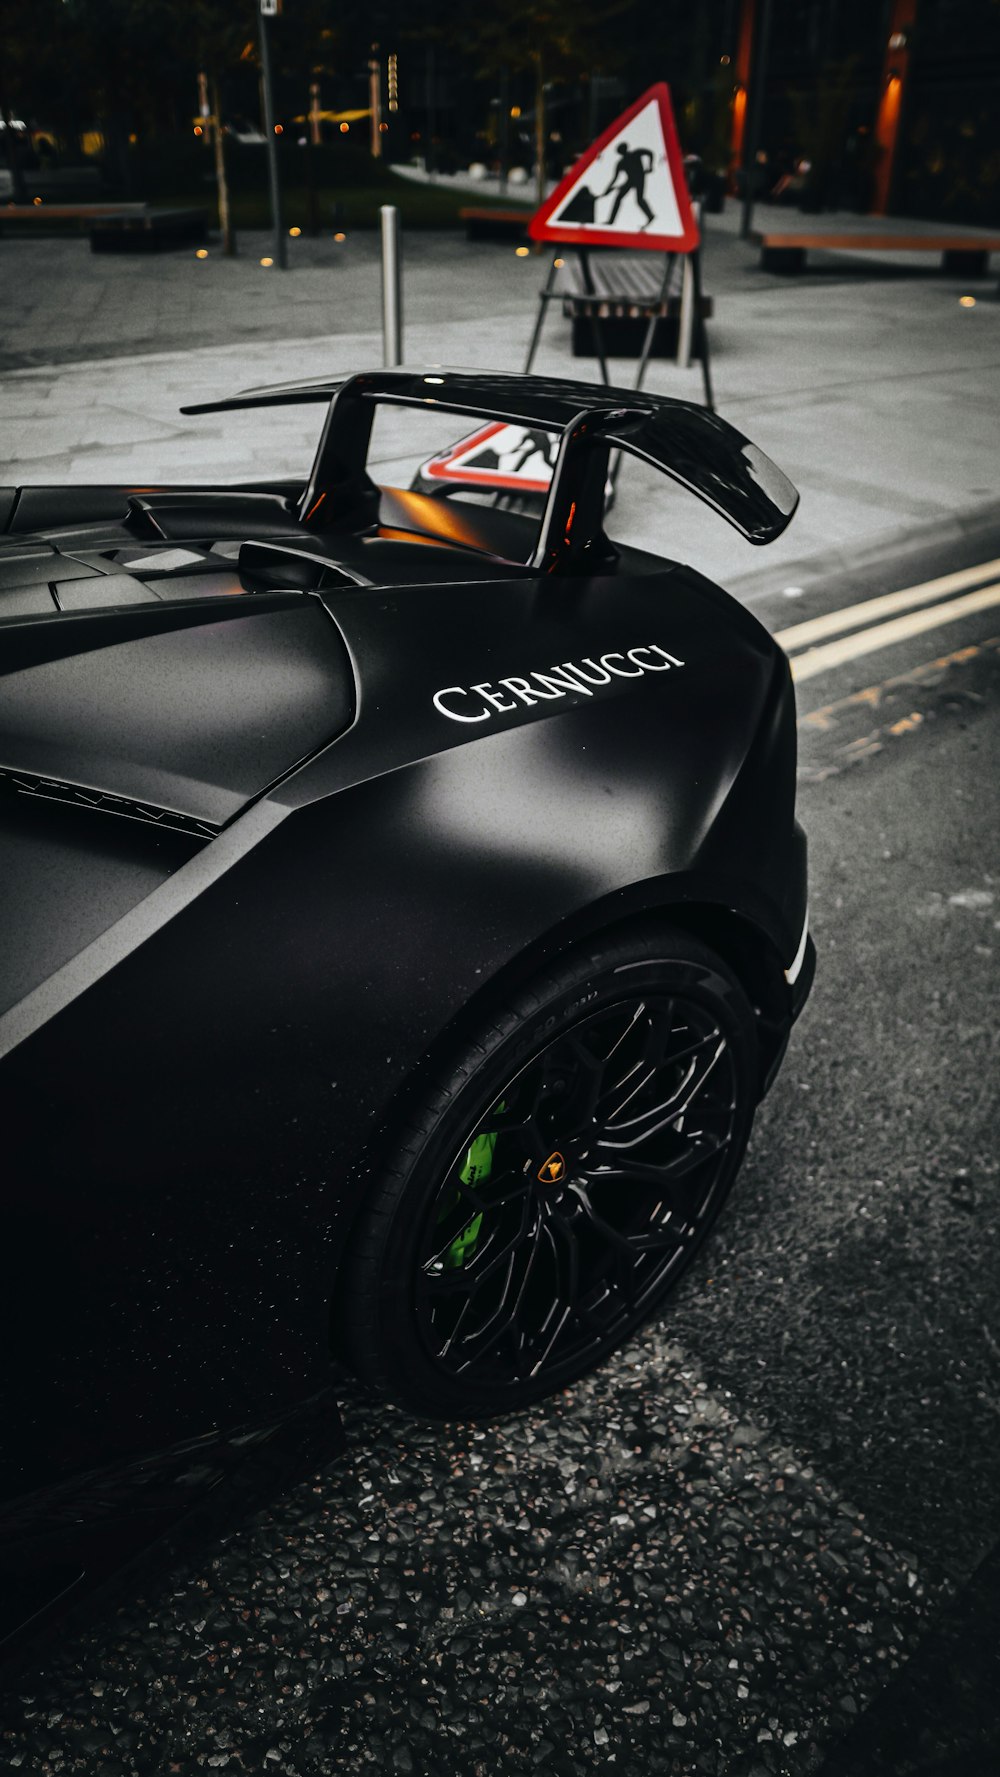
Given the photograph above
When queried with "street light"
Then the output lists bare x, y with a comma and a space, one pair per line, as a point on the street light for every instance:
269, 9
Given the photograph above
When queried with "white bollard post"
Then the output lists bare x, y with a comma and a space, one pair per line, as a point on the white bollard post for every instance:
685, 325
392, 288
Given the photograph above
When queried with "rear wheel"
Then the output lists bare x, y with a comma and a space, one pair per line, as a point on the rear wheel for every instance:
548, 1195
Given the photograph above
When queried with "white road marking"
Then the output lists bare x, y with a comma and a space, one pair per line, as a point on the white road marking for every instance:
834, 623
884, 635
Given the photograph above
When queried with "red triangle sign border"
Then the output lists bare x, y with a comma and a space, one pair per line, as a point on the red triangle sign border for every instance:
443, 466
541, 228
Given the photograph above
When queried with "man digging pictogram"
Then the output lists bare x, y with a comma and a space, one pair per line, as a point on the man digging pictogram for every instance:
635, 164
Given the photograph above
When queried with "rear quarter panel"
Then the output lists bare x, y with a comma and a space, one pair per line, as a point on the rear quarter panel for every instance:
189, 1138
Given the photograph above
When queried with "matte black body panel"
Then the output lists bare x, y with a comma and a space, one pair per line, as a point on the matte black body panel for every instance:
279, 826
192, 719
65, 877
186, 1221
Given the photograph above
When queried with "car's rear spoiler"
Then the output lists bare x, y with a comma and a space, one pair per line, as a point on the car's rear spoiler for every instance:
690, 444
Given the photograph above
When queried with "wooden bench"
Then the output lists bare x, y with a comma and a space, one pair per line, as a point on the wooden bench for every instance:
484, 223
962, 255
84, 214
149, 230
116, 226
626, 293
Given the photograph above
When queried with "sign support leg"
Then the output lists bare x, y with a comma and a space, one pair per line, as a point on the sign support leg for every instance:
661, 302
543, 300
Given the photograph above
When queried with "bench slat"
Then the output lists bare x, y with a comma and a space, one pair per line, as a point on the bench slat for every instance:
901, 243
624, 286
493, 213
67, 212
620, 308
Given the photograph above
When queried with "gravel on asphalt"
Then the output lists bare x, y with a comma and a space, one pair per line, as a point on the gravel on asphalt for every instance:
631, 1574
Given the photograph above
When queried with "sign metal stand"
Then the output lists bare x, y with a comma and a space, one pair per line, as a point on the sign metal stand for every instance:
592, 300
637, 158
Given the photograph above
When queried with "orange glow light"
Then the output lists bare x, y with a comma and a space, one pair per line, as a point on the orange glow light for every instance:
344, 128
295, 232
522, 252
267, 262
201, 252
888, 116
198, 130
739, 123
340, 237
279, 129
967, 302
36, 200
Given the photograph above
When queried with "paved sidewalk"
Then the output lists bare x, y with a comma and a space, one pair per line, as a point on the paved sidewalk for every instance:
867, 380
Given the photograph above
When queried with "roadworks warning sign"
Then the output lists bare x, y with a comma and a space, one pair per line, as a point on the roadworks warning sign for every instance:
628, 190
516, 459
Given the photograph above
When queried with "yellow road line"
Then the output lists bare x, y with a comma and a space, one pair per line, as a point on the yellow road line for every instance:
825, 717
834, 623
884, 635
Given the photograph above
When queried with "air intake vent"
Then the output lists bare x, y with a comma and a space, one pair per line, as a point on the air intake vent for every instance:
22, 783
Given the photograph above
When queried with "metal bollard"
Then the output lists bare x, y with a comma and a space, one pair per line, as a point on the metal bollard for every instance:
685, 325
392, 288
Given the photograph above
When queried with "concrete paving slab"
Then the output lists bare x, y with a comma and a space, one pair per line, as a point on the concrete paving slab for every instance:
877, 392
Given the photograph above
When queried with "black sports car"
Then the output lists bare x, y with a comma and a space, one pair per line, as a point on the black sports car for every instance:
403, 914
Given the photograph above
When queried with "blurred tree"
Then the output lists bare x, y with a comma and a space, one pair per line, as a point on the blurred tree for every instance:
307, 48
220, 35
124, 56
551, 41
31, 74
130, 67
821, 119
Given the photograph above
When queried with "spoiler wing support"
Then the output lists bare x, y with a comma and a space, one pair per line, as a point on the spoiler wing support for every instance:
690, 444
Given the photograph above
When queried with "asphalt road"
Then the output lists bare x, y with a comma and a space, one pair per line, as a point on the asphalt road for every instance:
764, 1538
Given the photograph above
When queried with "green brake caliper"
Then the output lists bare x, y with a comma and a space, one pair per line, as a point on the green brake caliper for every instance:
477, 1166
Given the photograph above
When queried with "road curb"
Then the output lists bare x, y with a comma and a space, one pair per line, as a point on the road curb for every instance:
810, 570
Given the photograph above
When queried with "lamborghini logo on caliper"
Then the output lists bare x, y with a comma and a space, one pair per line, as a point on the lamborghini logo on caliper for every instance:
553, 1170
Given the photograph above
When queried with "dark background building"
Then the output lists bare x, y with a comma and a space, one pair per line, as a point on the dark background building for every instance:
890, 106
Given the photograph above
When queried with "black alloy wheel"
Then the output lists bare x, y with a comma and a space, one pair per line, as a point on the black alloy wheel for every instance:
551, 1192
